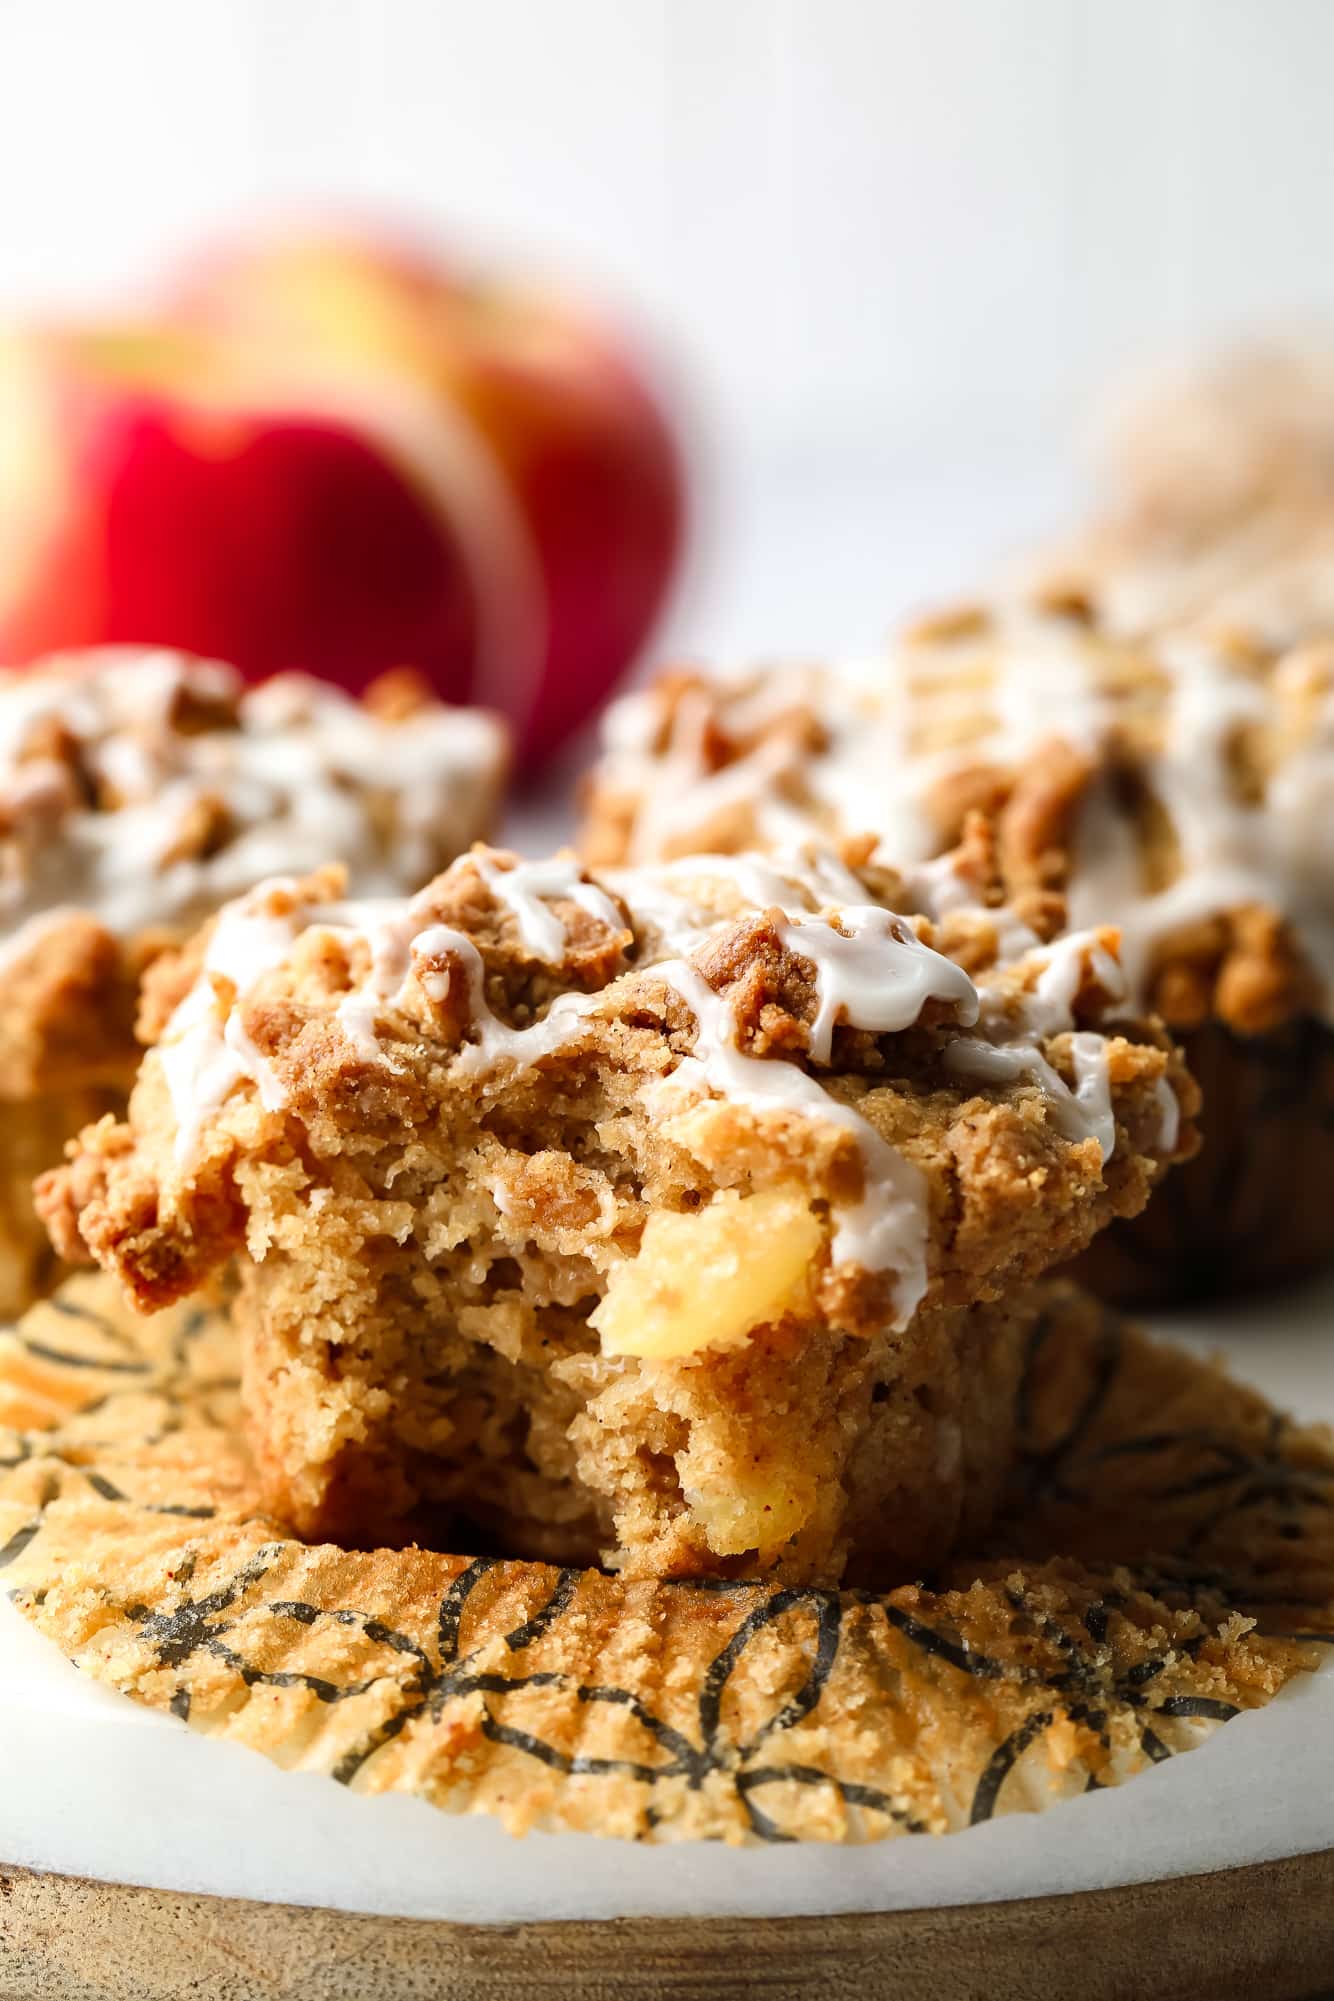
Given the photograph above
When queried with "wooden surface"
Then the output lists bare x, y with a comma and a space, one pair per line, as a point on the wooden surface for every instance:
1263, 1934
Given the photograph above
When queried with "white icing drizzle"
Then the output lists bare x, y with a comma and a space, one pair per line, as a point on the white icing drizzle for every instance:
671, 899
396, 945
1013, 1024
1233, 852
204, 1049
997, 695
871, 972
301, 774
875, 973
1265, 571
886, 1229
940, 890
495, 1042
409, 932
687, 799
390, 941
1169, 1116
525, 888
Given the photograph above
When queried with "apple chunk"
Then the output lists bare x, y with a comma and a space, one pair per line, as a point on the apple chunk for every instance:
706, 1278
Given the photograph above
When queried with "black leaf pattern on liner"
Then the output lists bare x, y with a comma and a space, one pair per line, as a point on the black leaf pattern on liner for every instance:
869, 1797
1043, 1470
182, 1391
693, 1760
1085, 1688
200, 1625
87, 1316
19, 1541
1199, 1705
42, 1351
1091, 1692
1245, 1479
956, 1652
1003, 1761
70, 1473
28, 1531
109, 1491
541, 1622
828, 1616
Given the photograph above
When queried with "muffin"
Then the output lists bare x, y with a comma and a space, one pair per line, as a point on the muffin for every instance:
138, 790
1217, 502
1182, 790
676, 1218
1262, 579
1221, 438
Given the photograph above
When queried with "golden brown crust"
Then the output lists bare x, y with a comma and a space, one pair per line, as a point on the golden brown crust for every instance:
643, 1027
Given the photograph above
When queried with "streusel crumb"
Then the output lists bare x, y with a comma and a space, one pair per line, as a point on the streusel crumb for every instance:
1176, 788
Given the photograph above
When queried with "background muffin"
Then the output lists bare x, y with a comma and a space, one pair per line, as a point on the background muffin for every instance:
140, 789
1181, 789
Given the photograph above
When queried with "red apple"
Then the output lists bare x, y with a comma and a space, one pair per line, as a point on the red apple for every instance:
578, 441
338, 458
161, 497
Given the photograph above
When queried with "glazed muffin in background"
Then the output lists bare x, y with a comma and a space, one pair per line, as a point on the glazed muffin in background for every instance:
1263, 579
1216, 500
677, 1218
138, 790
1222, 436
1181, 790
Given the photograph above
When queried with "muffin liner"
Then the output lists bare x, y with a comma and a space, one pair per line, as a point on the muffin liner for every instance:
1250, 1210
1164, 1560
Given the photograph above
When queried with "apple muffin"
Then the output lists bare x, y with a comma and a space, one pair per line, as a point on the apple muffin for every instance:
677, 1217
138, 791
1264, 579
1217, 500
1219, 436
1180, 791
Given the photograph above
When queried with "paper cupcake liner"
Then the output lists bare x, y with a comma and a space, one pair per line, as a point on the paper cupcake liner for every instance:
1251, 1210
1165, 1560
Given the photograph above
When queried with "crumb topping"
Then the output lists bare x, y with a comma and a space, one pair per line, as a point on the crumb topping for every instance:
1203, 443
761, 974
1180, 790
147, 787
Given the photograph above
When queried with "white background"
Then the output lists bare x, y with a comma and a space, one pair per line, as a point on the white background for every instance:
886, 247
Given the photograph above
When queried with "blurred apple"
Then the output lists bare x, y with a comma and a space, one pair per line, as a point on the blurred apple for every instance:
335, 456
